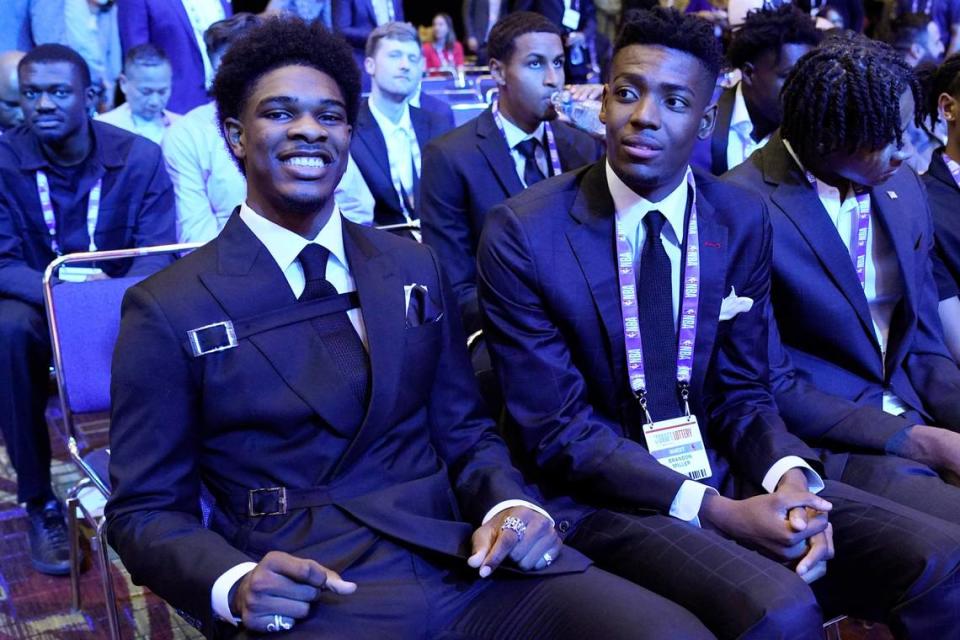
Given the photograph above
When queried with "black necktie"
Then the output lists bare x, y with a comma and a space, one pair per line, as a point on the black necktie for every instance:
335, 330
655, 307
531, 170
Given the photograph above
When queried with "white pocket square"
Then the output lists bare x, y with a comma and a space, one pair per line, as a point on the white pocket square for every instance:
733, 305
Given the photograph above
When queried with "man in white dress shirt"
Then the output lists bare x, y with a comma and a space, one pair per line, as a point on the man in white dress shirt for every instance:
145, 82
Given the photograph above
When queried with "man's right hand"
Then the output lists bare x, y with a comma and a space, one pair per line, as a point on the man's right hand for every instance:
763, 521
284, 585
933, 446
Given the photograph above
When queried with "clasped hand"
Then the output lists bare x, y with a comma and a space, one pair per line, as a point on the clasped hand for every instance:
492, 544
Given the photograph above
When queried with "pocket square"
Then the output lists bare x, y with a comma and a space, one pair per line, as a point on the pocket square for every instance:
734, 305
420, 308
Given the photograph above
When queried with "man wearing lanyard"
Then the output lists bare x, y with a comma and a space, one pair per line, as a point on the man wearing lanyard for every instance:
500, 153
67, 184
863, 370
390, 134
626, 307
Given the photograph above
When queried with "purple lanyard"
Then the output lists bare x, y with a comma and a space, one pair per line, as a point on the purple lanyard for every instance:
954, 168
49, 218
860, 230
551, 141
690, 298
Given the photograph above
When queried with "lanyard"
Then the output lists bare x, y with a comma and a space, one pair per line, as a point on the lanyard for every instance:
551, 141
406, 195
689, 307
860, 229
49, 218
954, 168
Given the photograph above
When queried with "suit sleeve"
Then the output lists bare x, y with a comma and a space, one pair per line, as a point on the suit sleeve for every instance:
740, 407
470, 29
17, 279
823, 419
481, 471
343, 18
134, 23
156, 219
446, 228
154, 515
545, 393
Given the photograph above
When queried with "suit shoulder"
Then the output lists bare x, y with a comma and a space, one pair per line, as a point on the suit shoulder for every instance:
176, 279
732, 200
569, 131
407, 252
456, 141
548, 198
124, 143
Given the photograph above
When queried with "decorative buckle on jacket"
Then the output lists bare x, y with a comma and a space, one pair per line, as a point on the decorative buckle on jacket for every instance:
267, 502
211, 338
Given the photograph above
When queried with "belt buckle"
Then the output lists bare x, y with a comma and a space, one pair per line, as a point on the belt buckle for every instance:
229, 334
281, 502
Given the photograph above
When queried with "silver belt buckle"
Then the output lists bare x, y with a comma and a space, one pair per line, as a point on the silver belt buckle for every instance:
228, 335
281, 502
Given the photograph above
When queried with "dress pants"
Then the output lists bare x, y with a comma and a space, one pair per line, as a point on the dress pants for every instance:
24, 362
402, 594
892, 563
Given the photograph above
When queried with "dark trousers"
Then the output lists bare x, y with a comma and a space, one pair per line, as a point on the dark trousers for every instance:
24, 362
402, 594
892, 563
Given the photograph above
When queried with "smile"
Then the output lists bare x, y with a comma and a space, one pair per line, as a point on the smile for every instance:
306, 161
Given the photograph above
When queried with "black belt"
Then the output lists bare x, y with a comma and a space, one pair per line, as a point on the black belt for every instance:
277, 501
226, 334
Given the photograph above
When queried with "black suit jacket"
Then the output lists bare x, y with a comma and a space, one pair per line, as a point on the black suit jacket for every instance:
421, 467
369, 151
553, 10
711, 154
466, 173
944, 197
438, 107
824, 321
551, 303
476, 17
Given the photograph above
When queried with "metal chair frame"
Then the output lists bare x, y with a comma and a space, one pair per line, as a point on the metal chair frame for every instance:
90, 478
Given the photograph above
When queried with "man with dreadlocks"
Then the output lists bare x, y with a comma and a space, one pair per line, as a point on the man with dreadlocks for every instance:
764, 48
860, 367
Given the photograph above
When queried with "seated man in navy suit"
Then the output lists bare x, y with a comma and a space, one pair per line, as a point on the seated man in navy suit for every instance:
390, 134
515, 143
764, 48
863, 371
626, 306
67, 184
311, 373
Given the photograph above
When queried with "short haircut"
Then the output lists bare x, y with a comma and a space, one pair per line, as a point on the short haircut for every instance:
278, 42
144, 55
845, 96
768, 30
674, 30
502, 41
49, 53
402, 31
946, 79
223, 33
909, 29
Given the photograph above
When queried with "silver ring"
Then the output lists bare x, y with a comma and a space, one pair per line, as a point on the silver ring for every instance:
514, 524
279, 624
547, 558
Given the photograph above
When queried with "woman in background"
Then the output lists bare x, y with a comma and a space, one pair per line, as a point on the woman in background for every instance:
444, 52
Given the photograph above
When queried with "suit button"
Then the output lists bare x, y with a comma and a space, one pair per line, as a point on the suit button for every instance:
563, 526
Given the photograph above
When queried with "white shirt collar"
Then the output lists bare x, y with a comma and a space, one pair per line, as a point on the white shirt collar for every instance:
634, 207
387, 126
285, 245
826, 192
740, 118
515, 135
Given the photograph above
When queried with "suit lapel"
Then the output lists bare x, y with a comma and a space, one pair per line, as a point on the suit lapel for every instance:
369, 134
184, 18
593, 244
380, 287
493, 146
713, 275
798, 201
939, 170
570, 158
249, 282
421, 127
721, 132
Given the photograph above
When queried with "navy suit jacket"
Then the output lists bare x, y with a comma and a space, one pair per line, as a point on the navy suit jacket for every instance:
136, 207
711, 154
165, 24
355, 19
944, 197
824, 320
421, 466
369, 151
551, 303
438, 107
466, 173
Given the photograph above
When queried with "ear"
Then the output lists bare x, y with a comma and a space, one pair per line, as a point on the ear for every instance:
497, 70
603, 103
747, 73
122, 81
369, 66
949, 107
233, 131
91, 98
707, 122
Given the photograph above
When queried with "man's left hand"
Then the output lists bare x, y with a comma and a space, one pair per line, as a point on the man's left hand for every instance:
534, 549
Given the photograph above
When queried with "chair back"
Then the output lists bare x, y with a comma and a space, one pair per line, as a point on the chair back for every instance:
468, 111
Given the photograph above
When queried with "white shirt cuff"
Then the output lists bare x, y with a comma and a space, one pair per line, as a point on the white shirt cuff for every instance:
220, 594
781, 466
506, 504
686, 504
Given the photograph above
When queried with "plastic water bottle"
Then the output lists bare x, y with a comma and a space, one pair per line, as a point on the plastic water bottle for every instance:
583, 114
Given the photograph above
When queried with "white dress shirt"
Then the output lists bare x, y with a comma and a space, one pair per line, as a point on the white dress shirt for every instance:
152, 130
285, 247
740, 142
383, 11
94, 33
403, 150
515, 135
631, 209
883, 284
